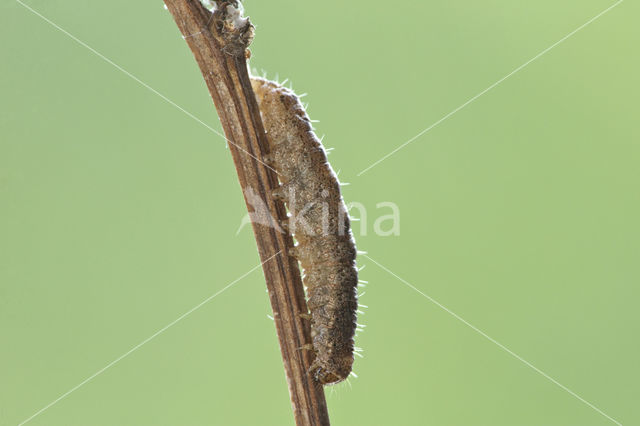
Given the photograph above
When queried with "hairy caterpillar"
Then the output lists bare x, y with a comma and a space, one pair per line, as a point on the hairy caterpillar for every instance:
320, 224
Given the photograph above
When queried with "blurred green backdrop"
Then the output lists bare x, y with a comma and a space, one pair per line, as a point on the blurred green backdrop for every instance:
118, 213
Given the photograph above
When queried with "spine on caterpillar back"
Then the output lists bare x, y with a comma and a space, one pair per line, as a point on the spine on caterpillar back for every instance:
320, 224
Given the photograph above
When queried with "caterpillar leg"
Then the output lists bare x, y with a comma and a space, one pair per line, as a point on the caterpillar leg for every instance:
307, 347
269, 159
279, 194
294, 252
284, 224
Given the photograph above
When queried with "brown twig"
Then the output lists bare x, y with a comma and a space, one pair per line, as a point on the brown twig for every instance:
219, 43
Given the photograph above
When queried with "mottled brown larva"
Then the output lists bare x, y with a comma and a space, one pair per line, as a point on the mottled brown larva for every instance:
319, 222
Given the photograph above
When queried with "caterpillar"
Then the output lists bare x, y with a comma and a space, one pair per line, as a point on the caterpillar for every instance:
320, 224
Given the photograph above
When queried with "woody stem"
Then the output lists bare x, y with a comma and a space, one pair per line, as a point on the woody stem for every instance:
221, 55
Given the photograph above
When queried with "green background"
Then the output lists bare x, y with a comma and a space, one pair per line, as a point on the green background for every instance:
519, 213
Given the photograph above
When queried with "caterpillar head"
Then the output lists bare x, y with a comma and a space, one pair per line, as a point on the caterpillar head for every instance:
330, 373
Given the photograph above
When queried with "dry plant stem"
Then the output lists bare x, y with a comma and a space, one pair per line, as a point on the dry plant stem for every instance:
222, 61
